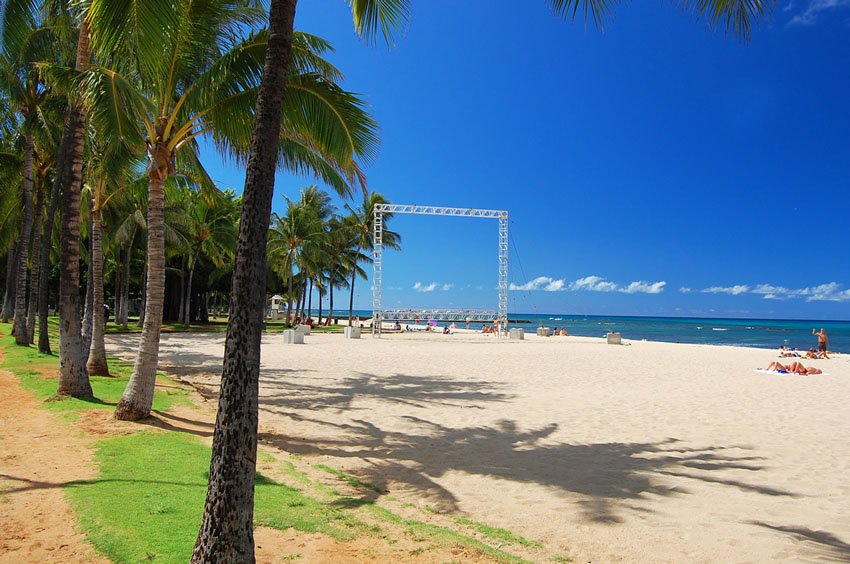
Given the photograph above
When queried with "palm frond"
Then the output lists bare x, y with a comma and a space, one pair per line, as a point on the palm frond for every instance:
18, 20
385, 16
734, 16
133, 29
115, 105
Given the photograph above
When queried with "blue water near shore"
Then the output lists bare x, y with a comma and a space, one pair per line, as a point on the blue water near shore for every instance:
761, 333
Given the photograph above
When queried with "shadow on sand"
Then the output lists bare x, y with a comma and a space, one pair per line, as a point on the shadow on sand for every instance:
609, 477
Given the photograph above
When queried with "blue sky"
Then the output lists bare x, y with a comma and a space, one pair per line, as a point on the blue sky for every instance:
653, 168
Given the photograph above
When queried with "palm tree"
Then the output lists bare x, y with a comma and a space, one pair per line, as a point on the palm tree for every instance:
209, 222
339, 243
288, 236
226, 531
11, 165
110, 168
181, 88
73, 378
26, 94
128, 214
362, 223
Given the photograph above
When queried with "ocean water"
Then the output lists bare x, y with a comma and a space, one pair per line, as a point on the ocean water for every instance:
761, 333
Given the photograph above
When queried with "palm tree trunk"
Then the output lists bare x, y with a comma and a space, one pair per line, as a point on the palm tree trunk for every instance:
9, 297
310, 299
119, 286
331, 298
143, 291
46, 246
96, 364
351, 297
289, 301
227, 528
73, 378
20, 324
319, 320
188, 315
88, 310
125, 289
35, 268
181, 307
138, 396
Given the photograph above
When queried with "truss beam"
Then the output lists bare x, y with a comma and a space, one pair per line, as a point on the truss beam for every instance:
438, 315
380, 314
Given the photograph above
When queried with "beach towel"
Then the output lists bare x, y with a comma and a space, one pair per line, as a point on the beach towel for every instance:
786, 373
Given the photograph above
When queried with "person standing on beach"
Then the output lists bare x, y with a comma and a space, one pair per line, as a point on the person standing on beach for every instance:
823, 341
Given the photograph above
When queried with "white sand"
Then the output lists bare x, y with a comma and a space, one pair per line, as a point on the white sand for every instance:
646, 453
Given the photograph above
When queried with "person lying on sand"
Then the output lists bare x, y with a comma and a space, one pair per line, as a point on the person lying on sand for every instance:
815, 354
793, 368
784, 352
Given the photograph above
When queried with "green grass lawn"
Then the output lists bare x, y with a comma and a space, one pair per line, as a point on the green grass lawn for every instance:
146, 502
29, 365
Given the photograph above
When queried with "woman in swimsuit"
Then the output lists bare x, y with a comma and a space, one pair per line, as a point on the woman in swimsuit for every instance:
793, 368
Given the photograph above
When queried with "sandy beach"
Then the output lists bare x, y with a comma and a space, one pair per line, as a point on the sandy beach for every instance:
651, 452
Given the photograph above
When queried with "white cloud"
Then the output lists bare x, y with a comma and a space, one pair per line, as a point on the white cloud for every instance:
644, 287
555, 286
593, 284
815, 9
685, 290
420, 287
831, 292
731, 290
540, 283
589, 284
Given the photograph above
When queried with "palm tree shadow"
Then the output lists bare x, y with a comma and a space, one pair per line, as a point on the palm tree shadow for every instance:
606, 477
341, 395
823, 544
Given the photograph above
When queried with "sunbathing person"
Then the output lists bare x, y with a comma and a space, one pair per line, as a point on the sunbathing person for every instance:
784, 352
793, 368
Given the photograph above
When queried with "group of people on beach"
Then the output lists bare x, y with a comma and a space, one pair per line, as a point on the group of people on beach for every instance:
797, 367
562, 331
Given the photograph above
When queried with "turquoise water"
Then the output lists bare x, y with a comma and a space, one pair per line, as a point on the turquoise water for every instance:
762, 333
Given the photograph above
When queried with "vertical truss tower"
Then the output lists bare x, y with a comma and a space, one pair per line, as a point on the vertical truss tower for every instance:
378, 312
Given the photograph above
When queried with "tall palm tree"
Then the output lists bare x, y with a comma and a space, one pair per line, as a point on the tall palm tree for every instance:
288, 236
226, 531
197, 73
11, 166
26, 95
110, 169
209, 222
128, 215
73, 377
362, 224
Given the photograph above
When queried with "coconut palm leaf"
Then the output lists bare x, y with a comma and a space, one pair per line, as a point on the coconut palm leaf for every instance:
18, 20
115, 105
735, 16
386, 16
133, 30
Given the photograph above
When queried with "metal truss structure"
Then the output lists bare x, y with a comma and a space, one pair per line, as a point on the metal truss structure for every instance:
438, 314
379, 314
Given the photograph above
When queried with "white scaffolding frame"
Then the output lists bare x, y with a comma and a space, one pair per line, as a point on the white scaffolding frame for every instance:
379, 314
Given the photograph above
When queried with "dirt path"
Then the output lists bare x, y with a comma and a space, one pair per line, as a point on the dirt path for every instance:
38, 455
